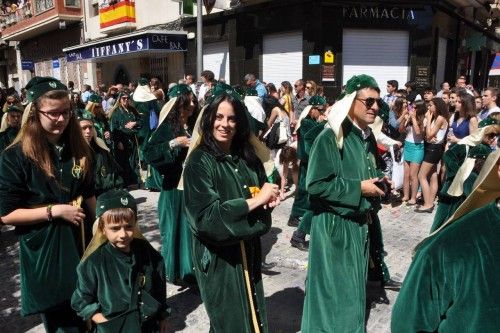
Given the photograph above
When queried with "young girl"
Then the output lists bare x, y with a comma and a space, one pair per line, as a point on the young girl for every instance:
121, 280
44, 175
413, 152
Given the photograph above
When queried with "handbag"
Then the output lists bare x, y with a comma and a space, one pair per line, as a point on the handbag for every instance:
276, 137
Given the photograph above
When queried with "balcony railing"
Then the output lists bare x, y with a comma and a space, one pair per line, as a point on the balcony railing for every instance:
9, 18
43, 5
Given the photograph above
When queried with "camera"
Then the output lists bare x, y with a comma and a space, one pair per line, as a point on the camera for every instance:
381, 184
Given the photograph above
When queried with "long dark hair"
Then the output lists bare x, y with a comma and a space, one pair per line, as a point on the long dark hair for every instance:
467, 106
183, 102
398, 106
441, 108
240, 145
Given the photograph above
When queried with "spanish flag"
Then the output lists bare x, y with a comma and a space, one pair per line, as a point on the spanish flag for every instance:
120, 12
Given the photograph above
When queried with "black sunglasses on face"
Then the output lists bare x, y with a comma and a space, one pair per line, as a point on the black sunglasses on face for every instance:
368, 102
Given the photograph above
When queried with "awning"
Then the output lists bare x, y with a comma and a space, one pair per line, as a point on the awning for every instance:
495, 67
140, 41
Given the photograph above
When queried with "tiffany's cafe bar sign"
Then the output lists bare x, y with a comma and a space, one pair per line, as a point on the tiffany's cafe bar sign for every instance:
154, 41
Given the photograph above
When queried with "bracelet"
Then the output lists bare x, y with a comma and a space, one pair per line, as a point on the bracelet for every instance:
49, 213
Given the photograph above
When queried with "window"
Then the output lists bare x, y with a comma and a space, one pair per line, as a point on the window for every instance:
72, 3
43, 5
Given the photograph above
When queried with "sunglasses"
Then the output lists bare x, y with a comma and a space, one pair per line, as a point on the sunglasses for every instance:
370, 101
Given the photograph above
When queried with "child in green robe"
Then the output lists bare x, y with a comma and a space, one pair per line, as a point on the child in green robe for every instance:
121, 281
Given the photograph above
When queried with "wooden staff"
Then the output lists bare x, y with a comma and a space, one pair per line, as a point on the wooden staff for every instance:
249, 288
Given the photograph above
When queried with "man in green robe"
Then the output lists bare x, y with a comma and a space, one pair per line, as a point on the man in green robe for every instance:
309, 125
147, 105
341, 180
11, 127
463, 162
452, 284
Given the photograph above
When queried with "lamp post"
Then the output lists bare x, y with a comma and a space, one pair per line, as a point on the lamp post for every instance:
199, 38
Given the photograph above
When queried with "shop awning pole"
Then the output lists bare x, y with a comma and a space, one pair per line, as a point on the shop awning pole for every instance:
199, 38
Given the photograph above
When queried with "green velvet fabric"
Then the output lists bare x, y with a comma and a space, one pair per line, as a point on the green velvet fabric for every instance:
144, 132
7, 137
108, 283
101, 125
453, 159
308, 132
452, 283
215, 193
128, 158
338, 248
377, 269
107, 171
48, 252
174, 228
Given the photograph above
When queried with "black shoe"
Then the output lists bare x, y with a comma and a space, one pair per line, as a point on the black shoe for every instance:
293, 222
268, 266
299, 244
392, 285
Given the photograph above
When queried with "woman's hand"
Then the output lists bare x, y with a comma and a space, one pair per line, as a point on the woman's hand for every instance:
268, 194
183, 141
130, 124
71, 214
98, 318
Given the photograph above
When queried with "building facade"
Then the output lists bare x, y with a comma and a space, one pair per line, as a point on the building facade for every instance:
125, 40
329, 41
34, 36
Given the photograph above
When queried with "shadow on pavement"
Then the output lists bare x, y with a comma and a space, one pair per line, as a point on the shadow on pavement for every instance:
284, 310
10, 316
375, 295
182, 305
268, 240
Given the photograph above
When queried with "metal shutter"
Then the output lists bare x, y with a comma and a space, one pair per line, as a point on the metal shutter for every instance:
282, 58
382, 54
441, 62
216, 59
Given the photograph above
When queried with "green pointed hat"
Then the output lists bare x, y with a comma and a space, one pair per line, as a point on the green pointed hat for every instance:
317, 100
178, 90
82, 114
39, 85
143, 81
14, 108
251, 92
223, 89
340, 110
115, 198
488, 121
94, 98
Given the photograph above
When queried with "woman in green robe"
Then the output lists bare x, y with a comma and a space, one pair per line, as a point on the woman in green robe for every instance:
472, 149
101, 122
124, 121
46, 173
166, 151
227, 203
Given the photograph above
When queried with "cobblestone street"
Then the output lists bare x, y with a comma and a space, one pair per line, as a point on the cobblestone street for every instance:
284, 285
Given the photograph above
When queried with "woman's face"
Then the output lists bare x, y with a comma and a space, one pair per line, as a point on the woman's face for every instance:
124, 101
188, 111
224, 125
432, 108
54, 115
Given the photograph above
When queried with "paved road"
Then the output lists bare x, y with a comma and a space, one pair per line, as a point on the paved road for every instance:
284, 286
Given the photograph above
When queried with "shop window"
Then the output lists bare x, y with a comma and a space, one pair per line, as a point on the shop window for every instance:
72, 3
43, 5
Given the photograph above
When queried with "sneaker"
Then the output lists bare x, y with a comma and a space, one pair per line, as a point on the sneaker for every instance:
299, 244
392, 285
